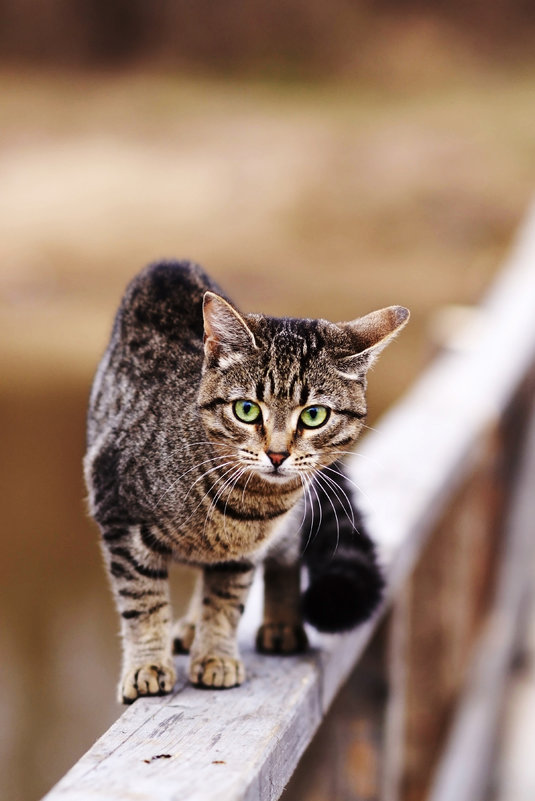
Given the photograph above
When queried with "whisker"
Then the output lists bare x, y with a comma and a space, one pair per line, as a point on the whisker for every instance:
207, 472
312, 486
335, 488
320, 486
307, 486
359, 489
235, 470
216, 482
218, 495
231, 488
370, 459
175, 481
302, 480
370, 428
245, 485
179, 451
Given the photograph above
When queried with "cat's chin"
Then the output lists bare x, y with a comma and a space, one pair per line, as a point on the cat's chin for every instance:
276, 477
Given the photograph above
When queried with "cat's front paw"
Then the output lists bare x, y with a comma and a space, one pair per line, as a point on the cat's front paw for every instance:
217, 672
153, 679
281, 638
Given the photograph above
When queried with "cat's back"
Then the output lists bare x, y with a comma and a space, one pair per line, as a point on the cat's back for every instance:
143, 399
164, 301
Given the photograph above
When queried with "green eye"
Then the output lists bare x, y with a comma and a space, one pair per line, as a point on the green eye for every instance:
247, 411
314, 416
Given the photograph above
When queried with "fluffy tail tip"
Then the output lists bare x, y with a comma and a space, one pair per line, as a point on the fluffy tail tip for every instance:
342, 596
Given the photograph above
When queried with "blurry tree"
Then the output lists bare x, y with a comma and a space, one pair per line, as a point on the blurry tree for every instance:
308, 34
117, 30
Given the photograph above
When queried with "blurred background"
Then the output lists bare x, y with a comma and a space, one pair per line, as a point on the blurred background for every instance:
319, 159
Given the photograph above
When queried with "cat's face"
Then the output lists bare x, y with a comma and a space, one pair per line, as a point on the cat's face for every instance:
286, 397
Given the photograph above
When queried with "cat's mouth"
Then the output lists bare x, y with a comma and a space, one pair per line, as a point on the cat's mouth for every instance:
277, 465
278, 475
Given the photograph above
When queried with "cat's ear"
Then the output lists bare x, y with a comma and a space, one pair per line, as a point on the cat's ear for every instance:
225, 331
369, 335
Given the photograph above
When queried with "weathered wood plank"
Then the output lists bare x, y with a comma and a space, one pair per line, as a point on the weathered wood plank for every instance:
199, 745
244, 743
466, 766
450, 589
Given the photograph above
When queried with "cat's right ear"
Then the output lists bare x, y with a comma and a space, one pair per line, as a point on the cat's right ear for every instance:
225, 331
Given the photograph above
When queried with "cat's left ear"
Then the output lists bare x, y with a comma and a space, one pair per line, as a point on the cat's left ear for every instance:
225, 331
370, 334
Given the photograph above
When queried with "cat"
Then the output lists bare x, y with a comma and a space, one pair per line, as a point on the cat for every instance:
214, 439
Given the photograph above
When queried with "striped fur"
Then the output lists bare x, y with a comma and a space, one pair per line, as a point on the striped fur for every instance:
173, 473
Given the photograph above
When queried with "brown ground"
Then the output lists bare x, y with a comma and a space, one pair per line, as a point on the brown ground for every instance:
315, 201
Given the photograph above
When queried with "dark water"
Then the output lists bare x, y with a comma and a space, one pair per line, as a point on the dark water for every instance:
59, 647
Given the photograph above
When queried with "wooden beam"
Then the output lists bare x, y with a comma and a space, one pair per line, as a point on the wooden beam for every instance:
466, 766
243, 744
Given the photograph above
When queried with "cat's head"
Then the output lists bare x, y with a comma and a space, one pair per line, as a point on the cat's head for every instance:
287, 395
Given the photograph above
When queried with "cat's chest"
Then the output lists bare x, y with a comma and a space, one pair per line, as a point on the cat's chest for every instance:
225, 538
214, 519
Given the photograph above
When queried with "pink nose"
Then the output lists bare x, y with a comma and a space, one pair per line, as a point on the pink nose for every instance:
277, 458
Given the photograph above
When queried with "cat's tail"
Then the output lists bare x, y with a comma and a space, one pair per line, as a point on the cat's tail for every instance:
345, 580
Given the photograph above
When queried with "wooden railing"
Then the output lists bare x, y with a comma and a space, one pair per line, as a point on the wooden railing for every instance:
445, 482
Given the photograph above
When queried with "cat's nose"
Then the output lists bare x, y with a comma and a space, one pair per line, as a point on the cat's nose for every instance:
277, 457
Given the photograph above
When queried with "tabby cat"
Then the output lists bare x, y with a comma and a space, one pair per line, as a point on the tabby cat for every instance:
214, 439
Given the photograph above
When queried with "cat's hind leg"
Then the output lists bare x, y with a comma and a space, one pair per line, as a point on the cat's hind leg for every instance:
282, 629
137, 559
184, 627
